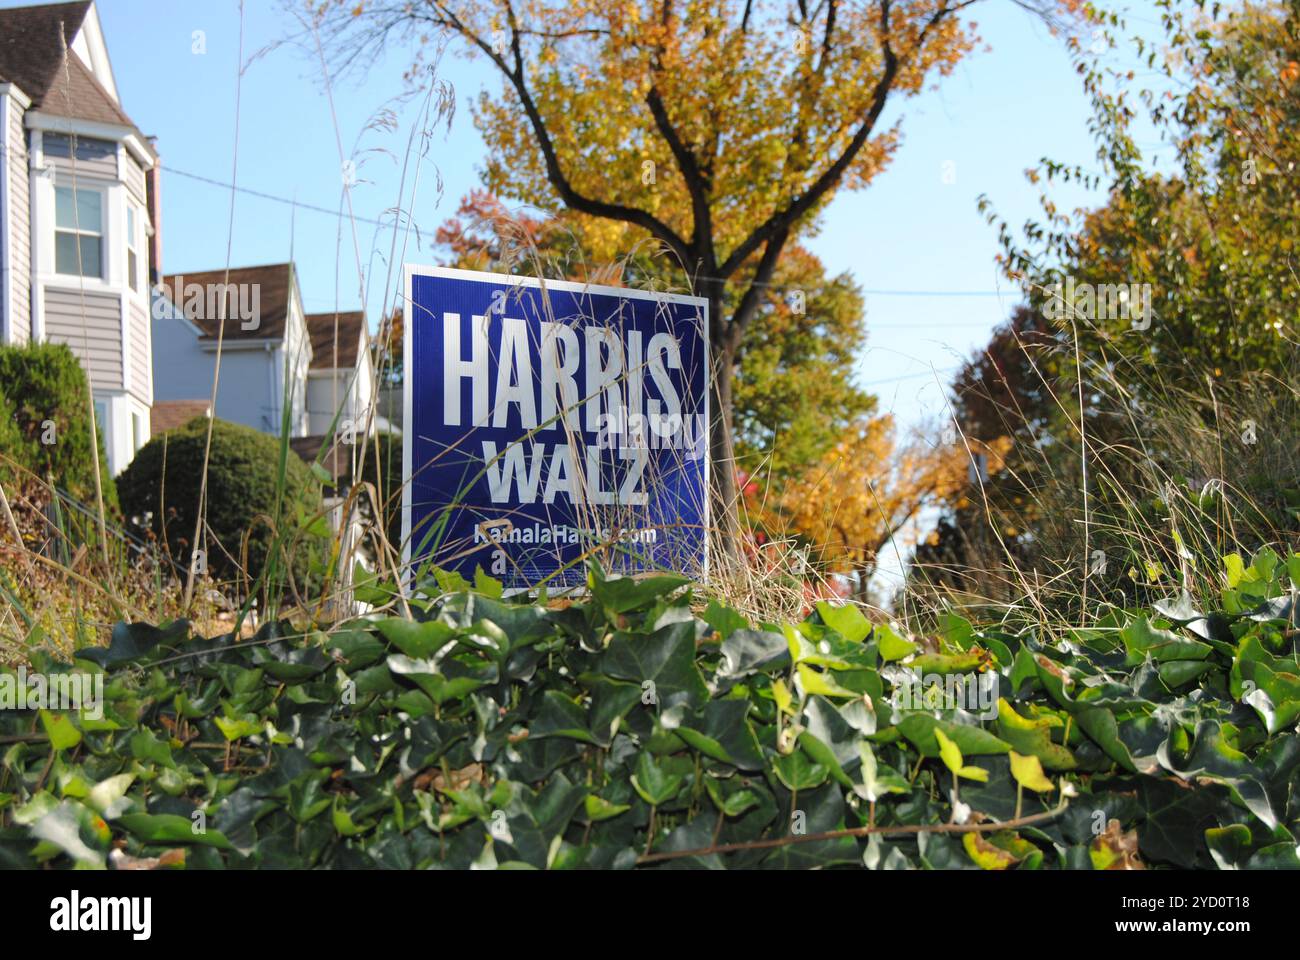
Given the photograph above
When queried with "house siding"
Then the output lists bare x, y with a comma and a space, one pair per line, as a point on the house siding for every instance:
133, 177
94, 335
104, 168
20, 228
141, 361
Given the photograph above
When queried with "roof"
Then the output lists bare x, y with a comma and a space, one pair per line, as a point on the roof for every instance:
170, 414
32, 45
320, 328
266, 288
75, 93
337, 460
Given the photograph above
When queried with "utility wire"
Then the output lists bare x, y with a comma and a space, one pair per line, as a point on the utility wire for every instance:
380, 223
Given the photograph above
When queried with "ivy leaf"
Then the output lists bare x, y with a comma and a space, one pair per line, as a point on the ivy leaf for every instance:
655, 785
61, 731
950, 753
1034, 737
170, 828
877, 781
920, 728
63, 828
1142, 640
891, 645
666, 658
599, 809
1228, 845
845, 619
1029, 773
798, 772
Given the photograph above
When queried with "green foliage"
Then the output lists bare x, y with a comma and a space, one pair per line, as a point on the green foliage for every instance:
382, 467
43, 395
244, 492
624, 731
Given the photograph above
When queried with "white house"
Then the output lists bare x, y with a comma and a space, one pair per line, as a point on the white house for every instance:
78, 212
266, 350
341, 377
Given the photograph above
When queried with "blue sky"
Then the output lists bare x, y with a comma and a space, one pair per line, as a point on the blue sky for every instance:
909, 231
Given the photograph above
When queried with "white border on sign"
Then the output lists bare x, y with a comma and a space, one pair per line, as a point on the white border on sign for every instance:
412, 270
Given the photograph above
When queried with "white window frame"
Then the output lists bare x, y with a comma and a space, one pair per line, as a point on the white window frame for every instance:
79, 231
133, 247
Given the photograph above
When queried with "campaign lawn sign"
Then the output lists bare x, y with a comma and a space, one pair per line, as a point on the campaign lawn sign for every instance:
546, 422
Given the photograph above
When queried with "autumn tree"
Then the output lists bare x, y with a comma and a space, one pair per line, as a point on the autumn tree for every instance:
868, 489
794, 394
721, 130
1215, 235
1112, 415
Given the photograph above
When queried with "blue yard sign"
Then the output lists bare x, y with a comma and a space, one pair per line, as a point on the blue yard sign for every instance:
545, 423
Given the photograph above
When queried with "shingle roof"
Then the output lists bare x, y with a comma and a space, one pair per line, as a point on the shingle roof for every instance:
320, 327
271, 283
75, 93
170, 414
32, 43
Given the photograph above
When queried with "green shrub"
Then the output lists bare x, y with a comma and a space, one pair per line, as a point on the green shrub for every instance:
45, 382
243, 484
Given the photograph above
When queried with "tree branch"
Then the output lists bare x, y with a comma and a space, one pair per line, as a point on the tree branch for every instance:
785, 219
554, 173
858, 832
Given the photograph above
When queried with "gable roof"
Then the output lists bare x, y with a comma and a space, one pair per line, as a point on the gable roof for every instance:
76, 94
320, 327
31, 44
271, 282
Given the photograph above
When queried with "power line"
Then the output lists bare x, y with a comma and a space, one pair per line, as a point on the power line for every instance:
339, 214
270, 196
911, 376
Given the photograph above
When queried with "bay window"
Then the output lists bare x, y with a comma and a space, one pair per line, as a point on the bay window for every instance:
79, 232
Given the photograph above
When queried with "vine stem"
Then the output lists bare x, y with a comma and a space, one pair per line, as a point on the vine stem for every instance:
858, 832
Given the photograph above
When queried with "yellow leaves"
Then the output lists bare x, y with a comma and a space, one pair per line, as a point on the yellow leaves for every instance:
781, 694
1001, 850
951, 756
765, 121
1028, 772
1115, 850
869, 486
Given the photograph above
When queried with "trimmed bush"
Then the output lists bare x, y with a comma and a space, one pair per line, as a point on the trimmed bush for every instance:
44, 382
243, 481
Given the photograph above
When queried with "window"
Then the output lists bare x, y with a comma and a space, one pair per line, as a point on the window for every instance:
101, 419
78, 232
84, 148
137, 428
132, 248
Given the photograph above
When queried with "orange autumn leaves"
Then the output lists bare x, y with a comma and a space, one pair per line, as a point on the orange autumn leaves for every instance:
868, 488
